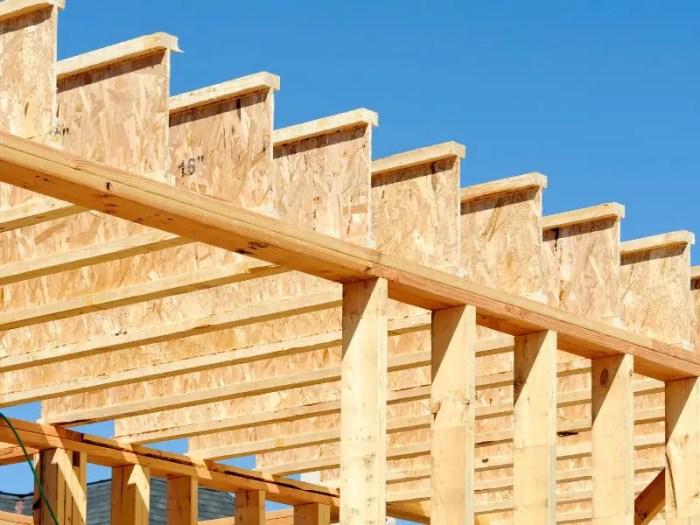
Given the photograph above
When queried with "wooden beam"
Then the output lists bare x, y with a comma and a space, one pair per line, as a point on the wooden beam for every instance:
131, 495
250, 508
123, 194
651, 500
313, 514
534, 429
325, 126
8, 518
363, 404
36, 212
683, 452
63, 476
182, 496
453, 397
612, 437
610, 210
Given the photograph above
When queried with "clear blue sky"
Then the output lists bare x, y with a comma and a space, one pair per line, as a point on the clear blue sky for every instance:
603, 97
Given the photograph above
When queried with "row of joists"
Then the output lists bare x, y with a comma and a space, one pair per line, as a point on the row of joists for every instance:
105, 319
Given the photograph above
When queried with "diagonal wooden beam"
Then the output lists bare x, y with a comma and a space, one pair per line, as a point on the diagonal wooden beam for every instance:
651, 500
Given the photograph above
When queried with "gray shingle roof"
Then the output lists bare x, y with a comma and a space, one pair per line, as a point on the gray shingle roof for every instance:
212, 504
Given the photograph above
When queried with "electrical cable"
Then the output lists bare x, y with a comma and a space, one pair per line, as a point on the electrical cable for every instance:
31, 466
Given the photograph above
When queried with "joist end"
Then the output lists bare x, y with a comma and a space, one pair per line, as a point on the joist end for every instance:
487, 190
10, 9
417, 157
324, 126
655, 242
610, 210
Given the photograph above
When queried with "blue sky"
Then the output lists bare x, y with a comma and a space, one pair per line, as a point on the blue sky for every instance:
602, 97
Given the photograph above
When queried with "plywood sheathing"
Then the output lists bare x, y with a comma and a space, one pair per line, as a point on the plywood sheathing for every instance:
657, 301
251, 146
28, 43
321, 182
426, 179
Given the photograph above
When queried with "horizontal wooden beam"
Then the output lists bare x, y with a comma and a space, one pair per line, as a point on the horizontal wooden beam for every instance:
170, 331
492, 189
610, 210
655, 242
224, 91
410, 159
60, 175
15, 8
129, 50
138, 293
35, 213
324, 126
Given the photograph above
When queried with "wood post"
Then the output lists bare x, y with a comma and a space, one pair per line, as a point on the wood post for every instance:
63, 478
612, 439
534, 429
182, 501
250, 508
363, 404
312, 514
452, 407
683, 452
131, 495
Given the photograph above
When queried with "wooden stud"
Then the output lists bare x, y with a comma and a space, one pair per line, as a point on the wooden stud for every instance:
612, 439
312, 514
453, 409
363, 404
683, 452
63, 476
182, 495
534, 429
250, 507
130, 495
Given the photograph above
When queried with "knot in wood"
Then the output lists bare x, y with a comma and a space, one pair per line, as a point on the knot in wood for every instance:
604, 377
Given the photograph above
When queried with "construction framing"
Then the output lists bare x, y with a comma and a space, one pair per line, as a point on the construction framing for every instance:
412, 348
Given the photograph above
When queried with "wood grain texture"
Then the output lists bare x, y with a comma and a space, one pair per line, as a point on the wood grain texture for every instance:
182, 501
131, 495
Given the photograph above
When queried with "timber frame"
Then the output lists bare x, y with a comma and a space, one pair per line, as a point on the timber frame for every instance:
416, 349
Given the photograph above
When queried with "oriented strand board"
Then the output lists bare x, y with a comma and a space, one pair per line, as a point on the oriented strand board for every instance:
321, 181
27, 81
178, 261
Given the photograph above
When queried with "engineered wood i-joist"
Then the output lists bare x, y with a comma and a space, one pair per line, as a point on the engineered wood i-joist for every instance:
53, 173
429, 178
329, 160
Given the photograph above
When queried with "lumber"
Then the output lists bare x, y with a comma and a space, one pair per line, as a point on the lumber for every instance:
610, 210
122, 52
452, 401
8, 518
182, 501
612, 436
682, 477
80, 257
417, 157
534, 429
363, 403
53, 173
223, 91
250, 507
35, 212
131, 495
63, 475
312, 514
324, 126
10, 9
128, 295
651, 500
655, 242
501, 187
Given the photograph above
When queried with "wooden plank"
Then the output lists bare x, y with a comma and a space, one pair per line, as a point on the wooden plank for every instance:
651, 500
250, 508
534, 429
131, 495
7, 518
76, 505
613, 440
134, 198
313, 514
35, 212
682, 452
610, 210
363, 404
453, 410
53, 468
182, 507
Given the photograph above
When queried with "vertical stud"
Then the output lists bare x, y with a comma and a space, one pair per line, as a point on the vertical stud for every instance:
130, 495
683, 452
452, 406
312, 514
363, 404
250, 508
182, 501
534, 432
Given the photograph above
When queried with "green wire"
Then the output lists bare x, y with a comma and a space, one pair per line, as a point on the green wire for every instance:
31, 466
